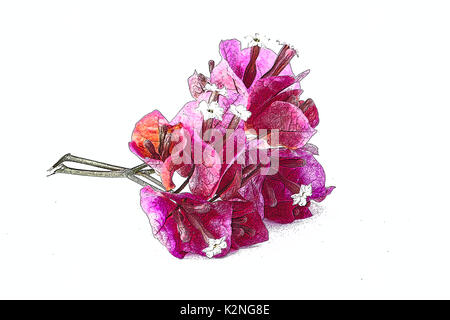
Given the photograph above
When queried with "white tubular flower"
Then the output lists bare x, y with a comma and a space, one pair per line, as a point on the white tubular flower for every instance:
257, 40
215, 247
240, 111
213, 88
300, 198
211, 110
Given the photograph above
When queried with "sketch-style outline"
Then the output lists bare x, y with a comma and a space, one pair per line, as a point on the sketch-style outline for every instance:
243, 147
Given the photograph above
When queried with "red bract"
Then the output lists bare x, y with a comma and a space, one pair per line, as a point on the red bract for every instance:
310, 111
231, 181
271, 111
168, 148
247, 226
153, 140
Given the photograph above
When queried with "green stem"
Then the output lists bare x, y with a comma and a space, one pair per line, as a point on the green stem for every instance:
127, 173
102, 165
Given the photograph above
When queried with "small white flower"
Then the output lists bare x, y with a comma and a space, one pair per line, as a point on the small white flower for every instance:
213, 87
215, 247
211, 110
300, 198
240, 111
257, 40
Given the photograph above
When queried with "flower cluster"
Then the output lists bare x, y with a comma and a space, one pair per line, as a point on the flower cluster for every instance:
251, 129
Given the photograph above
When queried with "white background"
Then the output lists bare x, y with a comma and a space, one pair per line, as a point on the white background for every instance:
75, 76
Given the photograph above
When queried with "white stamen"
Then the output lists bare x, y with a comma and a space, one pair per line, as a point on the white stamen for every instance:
211, 110
215, 247
213, 88
240, 111
300, 198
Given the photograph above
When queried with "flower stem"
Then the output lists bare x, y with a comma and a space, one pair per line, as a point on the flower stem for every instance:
127, 173
102, 165
251, 175
70, 158
89, 173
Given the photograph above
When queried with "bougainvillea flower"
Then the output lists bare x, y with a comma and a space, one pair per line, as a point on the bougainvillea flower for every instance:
213, 99
250, 64
243, 146
300, 177
153, 140
257, 66
186, 224
270, 110
247, 225
219, 105
160, 144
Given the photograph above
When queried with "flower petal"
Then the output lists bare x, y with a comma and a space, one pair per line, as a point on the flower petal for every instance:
207, 172
224, 77
311, 173
263, 93
248, 220
160, 208
147, 129
238, 59
230, 182
282, 213
294, 128
310, 111
196, 84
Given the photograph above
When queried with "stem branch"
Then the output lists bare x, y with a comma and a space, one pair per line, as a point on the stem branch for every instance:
102, 165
